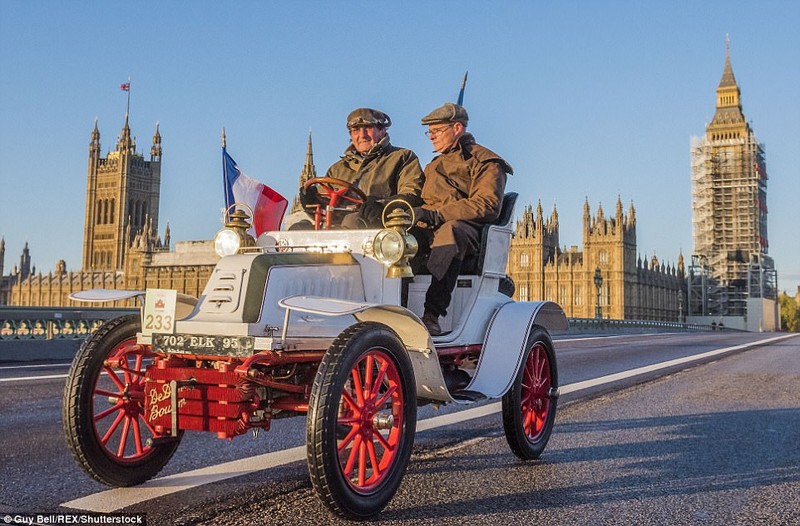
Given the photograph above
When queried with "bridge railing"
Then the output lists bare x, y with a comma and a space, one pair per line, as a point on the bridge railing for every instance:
49, 323
606, 325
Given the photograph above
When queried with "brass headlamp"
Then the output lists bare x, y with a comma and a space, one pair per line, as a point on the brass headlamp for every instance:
234, 236
394, 246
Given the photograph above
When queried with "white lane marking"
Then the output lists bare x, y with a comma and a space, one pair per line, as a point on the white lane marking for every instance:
38, 365
27, 378
118, 498
594, 382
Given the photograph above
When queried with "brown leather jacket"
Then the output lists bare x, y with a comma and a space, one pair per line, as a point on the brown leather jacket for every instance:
385, 171
466, 182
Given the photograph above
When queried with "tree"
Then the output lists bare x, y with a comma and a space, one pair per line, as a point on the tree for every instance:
790, 313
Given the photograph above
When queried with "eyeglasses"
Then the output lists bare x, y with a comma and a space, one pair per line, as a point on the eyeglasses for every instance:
433, 132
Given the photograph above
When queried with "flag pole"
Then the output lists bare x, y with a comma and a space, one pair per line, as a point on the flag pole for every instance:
128, 110
461, 93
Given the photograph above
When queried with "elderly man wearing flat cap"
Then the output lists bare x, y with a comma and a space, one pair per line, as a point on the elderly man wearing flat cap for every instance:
379, 169
463, 190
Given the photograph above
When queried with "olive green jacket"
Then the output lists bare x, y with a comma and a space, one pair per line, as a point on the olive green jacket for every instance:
385, 171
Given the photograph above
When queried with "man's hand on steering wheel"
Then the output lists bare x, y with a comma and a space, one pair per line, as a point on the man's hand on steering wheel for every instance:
324, 195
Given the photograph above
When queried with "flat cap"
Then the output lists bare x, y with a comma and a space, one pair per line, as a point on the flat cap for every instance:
446, 114
367, 117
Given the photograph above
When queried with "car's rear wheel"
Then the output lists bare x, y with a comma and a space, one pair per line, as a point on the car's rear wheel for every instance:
529, 407
103, 411
361, 421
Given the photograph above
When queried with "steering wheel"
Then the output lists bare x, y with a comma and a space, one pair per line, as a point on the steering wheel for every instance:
333, 192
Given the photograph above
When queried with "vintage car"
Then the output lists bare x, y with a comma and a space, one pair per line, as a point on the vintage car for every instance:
320, 322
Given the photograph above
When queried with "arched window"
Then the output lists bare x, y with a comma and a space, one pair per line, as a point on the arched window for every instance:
524, 259
99, 212
105, 211
113, 205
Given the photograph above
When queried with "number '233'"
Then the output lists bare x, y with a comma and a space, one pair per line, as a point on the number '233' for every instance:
157, 322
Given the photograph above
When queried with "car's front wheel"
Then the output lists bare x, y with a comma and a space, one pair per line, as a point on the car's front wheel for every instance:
103, 411
361, 421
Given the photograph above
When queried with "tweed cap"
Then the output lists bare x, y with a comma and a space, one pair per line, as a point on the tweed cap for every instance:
367, 117
447, 114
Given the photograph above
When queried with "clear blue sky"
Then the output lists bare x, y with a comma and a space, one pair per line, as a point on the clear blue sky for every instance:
592, 99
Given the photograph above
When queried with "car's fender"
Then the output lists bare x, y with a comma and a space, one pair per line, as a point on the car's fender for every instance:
505, 340
412, 332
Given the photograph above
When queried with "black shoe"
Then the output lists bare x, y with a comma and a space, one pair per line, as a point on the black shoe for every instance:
431, 322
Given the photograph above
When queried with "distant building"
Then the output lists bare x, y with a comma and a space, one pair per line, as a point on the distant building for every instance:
121, 246
731, 272
309, 172
629, 287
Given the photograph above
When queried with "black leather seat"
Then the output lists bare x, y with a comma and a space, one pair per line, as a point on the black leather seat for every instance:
473, 263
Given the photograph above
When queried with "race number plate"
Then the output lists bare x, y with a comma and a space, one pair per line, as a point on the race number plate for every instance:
201, 344
159, 311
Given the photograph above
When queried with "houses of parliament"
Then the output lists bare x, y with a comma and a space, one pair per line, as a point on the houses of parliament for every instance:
122, 249
605, 277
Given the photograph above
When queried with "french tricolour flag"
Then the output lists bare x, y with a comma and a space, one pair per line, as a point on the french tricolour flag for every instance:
268, 205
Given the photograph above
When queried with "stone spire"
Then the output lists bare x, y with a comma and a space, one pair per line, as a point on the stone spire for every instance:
727, 74
94, 144
155, 151
167, 236
126, 142
309, 171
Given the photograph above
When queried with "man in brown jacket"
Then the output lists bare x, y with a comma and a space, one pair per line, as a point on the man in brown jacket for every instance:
463, 190
379, 169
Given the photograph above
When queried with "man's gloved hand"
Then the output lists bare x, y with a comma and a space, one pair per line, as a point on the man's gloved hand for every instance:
371, 211
429, 218
309, 197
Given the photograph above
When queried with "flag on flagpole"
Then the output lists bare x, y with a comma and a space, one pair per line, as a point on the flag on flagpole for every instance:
125, 87
267, 205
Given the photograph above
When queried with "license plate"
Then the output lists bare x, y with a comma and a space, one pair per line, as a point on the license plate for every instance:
203, 344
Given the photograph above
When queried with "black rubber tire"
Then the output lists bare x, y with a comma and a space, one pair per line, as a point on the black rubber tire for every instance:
324, 430
80, 429
524, 445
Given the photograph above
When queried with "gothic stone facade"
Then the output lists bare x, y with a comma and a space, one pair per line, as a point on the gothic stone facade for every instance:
121, 247
631, 288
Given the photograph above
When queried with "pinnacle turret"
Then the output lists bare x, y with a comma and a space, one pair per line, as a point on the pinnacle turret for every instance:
155, 151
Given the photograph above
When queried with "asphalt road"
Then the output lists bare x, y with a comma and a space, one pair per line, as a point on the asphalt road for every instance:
710, 444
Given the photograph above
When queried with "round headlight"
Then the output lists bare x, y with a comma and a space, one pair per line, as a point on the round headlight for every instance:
389, 246
226, 242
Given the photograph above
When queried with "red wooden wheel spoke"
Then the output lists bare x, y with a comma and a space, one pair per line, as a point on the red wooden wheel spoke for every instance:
350, 402
386, 445
370, 362
123, 441
103, 392
358, 387
102, 414
114, 425
137, 437
389, 392
373, 459
349, 438
351, 459
112, 375
362, 463
379, 379
150, 428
